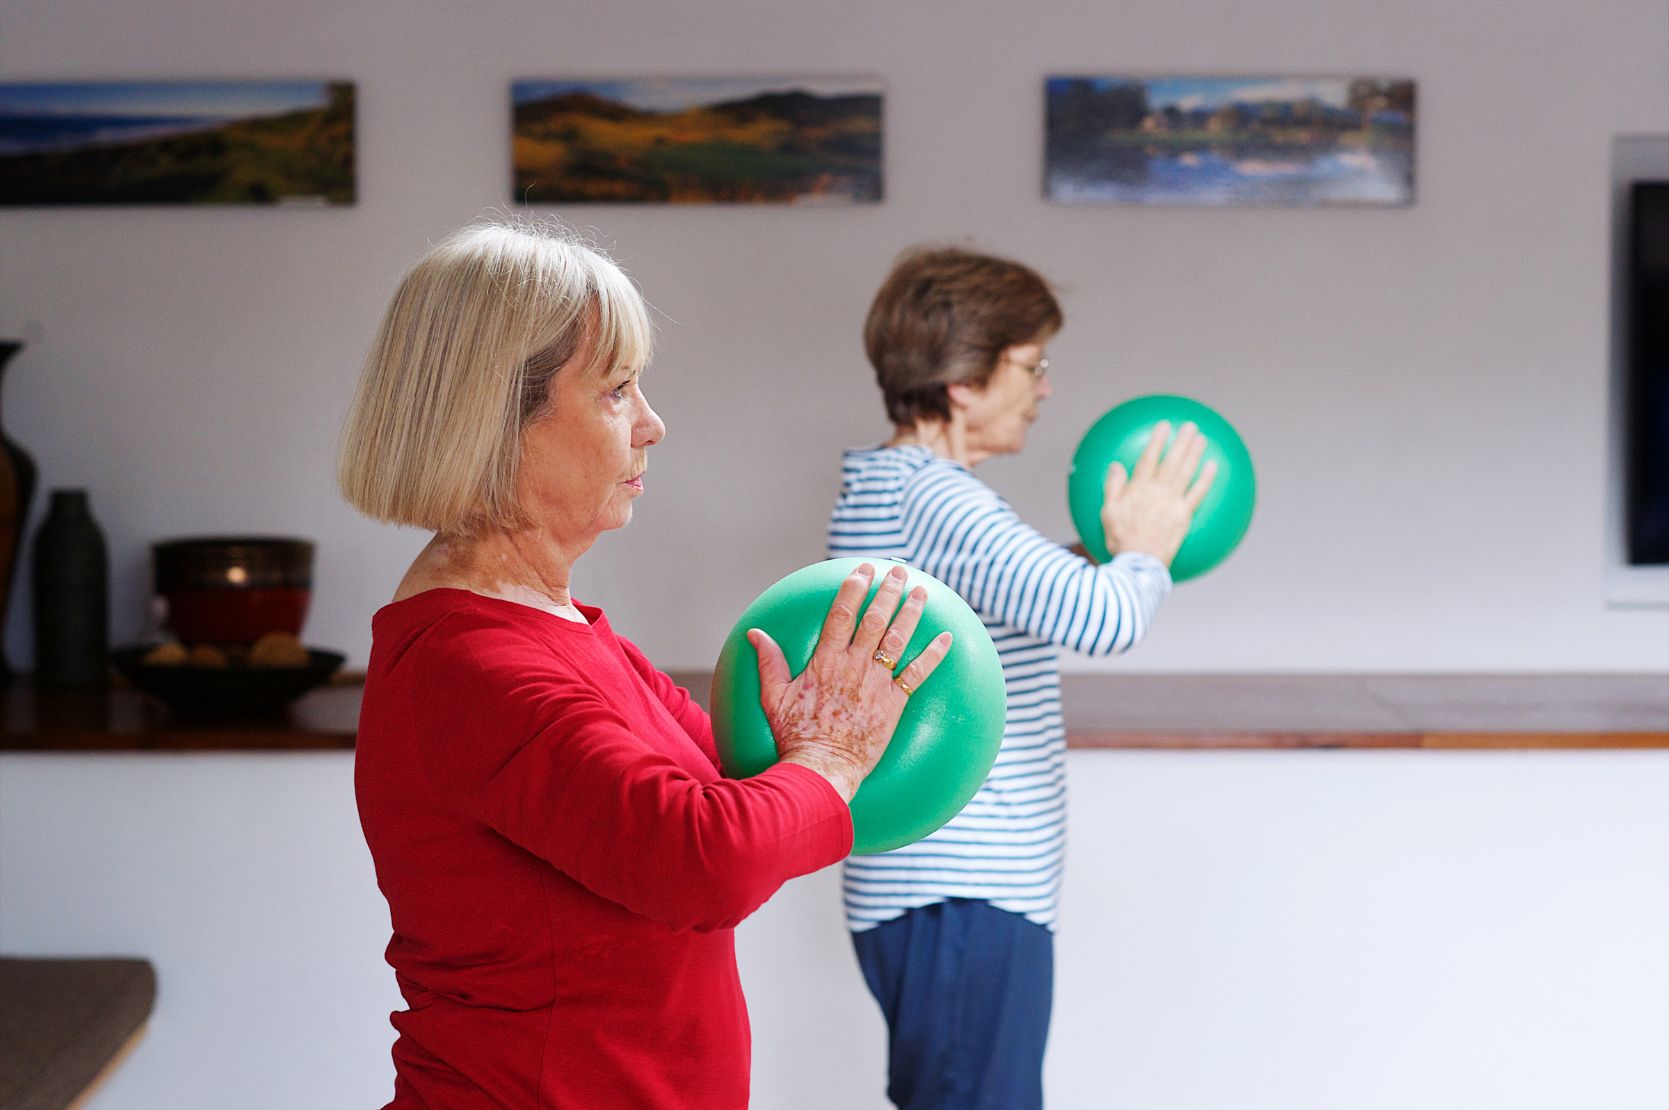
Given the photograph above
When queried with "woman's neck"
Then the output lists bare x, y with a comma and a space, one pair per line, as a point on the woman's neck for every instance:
519, 566
947, 439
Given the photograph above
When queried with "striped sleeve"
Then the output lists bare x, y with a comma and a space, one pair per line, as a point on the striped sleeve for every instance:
959, 530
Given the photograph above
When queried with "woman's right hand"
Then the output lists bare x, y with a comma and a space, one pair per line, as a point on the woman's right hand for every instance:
1150, 509
838, 715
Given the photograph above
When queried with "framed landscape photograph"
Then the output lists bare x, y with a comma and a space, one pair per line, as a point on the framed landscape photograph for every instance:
723, 140
1192, 140
177, 142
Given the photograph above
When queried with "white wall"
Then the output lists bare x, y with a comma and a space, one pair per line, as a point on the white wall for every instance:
1424, 389
1244, 931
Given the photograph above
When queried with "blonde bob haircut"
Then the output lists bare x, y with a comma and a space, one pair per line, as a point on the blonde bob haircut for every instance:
463, 363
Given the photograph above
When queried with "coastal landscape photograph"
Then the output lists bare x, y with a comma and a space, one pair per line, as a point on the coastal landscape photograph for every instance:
177, 142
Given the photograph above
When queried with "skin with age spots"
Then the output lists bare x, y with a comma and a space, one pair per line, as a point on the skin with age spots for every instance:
838, 716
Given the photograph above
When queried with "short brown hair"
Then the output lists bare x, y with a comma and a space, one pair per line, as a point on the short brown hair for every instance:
463, 363
946, 315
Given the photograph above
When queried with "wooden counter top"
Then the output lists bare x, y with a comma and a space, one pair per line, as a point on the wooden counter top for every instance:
1367, 711
122, 719
1102, 711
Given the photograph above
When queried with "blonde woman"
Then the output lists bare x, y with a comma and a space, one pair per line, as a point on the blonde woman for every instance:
562, 862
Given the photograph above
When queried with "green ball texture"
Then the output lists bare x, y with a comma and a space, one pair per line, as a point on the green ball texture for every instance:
947, 739
1119, 436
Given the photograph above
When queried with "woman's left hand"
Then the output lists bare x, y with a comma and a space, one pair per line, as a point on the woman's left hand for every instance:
838, 715
1151, 508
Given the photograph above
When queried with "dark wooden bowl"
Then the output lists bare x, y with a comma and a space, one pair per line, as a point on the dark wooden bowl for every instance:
229, 692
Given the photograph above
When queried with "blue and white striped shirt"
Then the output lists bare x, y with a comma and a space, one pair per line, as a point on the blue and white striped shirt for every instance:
1008, 844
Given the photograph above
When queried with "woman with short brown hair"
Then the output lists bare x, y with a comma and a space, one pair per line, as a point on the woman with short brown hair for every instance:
954, 932
945, 316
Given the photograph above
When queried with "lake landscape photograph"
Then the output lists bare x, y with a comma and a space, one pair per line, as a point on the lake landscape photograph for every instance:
1205, 140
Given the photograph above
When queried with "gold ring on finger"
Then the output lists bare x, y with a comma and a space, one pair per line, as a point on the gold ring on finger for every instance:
905, 686
884, 659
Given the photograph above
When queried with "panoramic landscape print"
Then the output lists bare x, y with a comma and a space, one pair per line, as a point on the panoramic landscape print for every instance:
1229, 140
177, 142
699, 141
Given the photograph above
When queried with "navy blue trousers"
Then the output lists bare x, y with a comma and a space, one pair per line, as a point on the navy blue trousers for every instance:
966, 989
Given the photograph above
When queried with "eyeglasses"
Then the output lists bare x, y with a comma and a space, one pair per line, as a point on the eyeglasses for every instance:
1036, 369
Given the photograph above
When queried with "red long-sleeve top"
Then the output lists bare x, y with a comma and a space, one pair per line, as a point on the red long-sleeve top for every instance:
563, 862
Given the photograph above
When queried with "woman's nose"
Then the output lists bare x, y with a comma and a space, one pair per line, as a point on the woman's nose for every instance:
650, 427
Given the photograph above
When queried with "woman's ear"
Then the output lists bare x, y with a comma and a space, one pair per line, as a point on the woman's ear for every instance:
963, 394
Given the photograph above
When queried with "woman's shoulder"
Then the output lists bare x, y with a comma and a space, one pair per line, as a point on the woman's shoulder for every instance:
883, 462
457, 628
448, 604
944, 483
905, 466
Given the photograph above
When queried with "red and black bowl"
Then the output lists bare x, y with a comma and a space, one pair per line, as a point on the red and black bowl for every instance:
232, 590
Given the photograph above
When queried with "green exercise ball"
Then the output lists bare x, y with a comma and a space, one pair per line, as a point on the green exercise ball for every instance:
1120, 435
947, 740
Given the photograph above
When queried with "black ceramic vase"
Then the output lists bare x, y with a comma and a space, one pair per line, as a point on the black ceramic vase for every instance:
72, 588
17, 492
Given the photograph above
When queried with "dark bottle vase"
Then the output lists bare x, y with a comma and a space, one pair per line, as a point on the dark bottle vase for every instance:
17, 493
72, 591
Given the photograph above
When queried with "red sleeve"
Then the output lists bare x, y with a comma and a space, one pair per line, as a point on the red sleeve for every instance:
546, 761
693, 719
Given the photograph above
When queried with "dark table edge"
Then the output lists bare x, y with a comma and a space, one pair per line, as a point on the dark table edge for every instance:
297, 733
